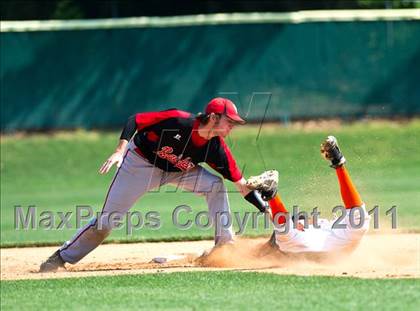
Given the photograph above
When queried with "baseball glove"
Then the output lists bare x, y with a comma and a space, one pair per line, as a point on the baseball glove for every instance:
266, 183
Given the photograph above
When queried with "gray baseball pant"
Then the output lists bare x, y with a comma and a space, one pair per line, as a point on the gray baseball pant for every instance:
133, 179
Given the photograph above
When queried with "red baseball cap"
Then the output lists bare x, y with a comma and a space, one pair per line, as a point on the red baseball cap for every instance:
224, 106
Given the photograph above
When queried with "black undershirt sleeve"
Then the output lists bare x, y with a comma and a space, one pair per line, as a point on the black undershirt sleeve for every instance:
254, 197
129, 128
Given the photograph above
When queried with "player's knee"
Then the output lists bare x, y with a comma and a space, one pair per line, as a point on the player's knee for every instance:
217, 185
210, 185
358, 219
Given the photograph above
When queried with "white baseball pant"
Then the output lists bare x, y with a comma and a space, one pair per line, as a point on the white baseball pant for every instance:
326, 238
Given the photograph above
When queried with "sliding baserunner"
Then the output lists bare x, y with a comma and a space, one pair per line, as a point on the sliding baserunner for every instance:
327, 236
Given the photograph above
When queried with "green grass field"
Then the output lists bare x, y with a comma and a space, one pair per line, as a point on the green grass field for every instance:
211, 291
58, 172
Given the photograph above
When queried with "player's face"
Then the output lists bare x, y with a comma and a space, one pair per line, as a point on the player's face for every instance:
223, 126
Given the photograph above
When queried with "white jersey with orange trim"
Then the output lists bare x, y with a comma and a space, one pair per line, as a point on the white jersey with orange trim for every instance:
326, 238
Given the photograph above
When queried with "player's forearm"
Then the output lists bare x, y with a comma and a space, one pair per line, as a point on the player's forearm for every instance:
252, 196
122, 145
241, 186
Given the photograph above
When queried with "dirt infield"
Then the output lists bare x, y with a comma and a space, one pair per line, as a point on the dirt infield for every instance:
378, 256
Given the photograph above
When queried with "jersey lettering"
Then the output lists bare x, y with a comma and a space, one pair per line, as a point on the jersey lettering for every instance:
166, 153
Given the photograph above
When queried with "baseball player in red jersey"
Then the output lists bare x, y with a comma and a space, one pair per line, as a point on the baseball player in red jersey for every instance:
166, 147
323, 237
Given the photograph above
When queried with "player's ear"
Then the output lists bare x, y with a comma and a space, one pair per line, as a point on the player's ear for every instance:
214, 117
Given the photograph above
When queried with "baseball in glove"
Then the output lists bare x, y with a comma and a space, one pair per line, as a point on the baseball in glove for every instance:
266, 183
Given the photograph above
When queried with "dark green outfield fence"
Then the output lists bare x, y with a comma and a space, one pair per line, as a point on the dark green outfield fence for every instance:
95, 78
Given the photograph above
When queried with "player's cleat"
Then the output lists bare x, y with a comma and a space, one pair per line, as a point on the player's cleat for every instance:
272, 241
52, 263
331, 152
266, 183
270, 248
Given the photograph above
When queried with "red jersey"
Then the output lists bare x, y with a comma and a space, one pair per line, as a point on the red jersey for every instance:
169, 139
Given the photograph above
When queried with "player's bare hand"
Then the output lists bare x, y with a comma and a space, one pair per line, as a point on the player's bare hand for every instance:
116, 158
